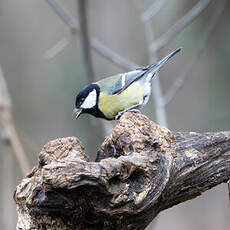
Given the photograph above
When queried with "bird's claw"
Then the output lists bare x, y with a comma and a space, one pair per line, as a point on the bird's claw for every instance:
134, 110
117, 117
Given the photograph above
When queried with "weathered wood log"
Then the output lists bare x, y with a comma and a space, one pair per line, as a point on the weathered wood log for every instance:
141, 169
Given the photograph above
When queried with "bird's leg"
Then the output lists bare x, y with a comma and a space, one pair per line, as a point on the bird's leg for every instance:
129, 109
134, 110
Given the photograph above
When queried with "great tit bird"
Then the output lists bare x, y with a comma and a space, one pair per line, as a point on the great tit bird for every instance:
109, 98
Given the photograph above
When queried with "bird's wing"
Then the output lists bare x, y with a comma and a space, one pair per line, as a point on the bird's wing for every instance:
116, 84
125, 80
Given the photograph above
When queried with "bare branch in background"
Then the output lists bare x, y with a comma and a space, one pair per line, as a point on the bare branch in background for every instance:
160, 111
83, 22
201, 47
85, 41
7, 172
152, 10
96, 45
56, 49
179, 25
177, 84
160, 100
8, 125
161, 115
64, 15
112, 56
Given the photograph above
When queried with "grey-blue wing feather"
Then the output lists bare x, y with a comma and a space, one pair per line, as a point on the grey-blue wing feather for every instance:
125, 80
148, 72
116, 84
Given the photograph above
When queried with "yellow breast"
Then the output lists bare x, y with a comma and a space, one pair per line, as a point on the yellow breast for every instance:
111, 105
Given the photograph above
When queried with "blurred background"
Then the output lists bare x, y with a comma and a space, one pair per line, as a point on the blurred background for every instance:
47, 56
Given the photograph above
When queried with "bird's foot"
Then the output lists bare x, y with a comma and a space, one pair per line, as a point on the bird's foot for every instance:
134, 111
117, 117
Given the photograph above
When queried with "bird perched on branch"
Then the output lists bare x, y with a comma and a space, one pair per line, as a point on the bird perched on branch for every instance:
109, 98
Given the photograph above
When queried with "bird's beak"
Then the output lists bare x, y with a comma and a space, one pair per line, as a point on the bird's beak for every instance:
76, 112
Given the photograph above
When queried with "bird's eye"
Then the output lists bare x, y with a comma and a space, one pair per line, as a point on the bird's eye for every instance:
80, 101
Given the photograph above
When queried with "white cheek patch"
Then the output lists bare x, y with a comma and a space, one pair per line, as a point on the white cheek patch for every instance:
90, 101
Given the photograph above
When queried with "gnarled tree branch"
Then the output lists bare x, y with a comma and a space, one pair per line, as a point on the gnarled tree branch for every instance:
141, 169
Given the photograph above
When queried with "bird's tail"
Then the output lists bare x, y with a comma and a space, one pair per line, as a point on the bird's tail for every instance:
153, 68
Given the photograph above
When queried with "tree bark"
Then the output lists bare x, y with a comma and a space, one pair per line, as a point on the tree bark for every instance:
141, 169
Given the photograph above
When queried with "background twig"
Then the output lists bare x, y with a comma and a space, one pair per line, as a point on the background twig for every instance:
178, 83
152, 10
121, 62
9, 128
85, 41
96, 45
64, 15
157, 96
179, 25
82, 9
155, 44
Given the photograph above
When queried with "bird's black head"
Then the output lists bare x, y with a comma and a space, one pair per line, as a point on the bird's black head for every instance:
87, 100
